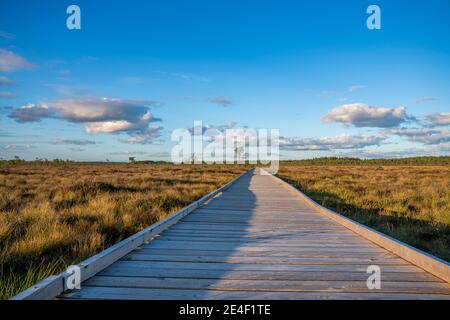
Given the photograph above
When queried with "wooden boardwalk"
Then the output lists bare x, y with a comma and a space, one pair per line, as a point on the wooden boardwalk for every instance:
259, 240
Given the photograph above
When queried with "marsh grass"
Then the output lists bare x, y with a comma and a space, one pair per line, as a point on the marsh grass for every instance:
410, 203
54, 215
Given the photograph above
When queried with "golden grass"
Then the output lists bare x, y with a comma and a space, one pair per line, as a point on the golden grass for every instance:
54, 215
410, 203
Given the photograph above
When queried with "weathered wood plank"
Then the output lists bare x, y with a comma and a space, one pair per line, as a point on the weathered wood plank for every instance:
254, 247
268, 267
263, 285
142, 256
269, 253
175, 294
124, 268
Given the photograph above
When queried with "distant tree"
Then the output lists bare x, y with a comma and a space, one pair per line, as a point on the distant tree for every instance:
132, 159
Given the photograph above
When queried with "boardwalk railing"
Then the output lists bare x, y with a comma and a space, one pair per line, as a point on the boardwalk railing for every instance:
53, 286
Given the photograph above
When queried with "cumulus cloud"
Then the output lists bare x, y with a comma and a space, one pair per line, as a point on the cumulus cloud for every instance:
223, 102
31, 113
225, 132
221, 128
77, 142
363, 115
10, 61
422, 135
132, 117
148, 136
439, 119
4, 81
340, 142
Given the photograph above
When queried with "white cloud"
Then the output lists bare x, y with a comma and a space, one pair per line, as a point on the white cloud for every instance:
31, 113
440, 119
150, 135
331, 143
132, 117
219, 128
9, 61
422, 135
363, 115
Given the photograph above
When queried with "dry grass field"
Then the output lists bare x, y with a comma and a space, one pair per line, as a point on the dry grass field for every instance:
56, 214
53, 214
408, 202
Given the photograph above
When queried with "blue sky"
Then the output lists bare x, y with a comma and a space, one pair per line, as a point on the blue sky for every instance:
309, 68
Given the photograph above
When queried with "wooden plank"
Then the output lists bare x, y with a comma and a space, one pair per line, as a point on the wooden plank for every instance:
255, 247
142, 256
262, 235
175, 294
330, 254
125, 269
276, 241
263, 285
260, 228
268, 267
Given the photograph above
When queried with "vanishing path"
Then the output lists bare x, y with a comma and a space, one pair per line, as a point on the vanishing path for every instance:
259, 240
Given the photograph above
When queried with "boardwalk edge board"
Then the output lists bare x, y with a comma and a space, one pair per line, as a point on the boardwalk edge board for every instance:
423, 260
53, 286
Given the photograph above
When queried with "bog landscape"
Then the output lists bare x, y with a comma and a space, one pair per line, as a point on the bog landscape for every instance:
224, 150
54, 214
